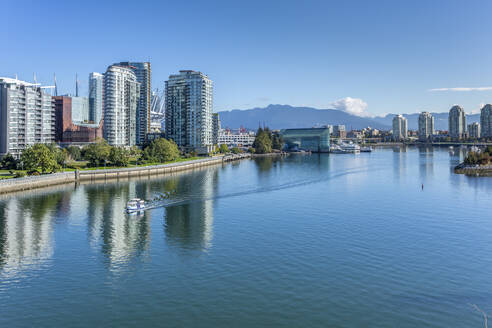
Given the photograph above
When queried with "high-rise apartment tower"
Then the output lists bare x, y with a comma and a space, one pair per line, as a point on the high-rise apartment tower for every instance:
121, 94
189, 119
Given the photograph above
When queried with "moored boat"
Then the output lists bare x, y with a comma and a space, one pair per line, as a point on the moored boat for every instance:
345, 148
350, 147
135, 205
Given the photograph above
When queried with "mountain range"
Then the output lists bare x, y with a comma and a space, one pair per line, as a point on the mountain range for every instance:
285, 117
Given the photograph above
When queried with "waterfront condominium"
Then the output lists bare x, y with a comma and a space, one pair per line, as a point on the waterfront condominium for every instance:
399, 128
143, 116
189, 119
486, 121
27, 116
426, 125
95, 98
474, 130
121, 94
457, 122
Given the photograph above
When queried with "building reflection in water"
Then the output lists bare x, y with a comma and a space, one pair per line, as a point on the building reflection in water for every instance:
426, 165
120, 236
26, 232
189, 225
399, 161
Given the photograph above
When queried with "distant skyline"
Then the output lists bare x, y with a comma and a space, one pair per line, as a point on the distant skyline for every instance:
367, 58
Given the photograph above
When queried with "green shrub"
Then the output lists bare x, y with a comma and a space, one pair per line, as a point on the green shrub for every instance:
223, 149
19, 174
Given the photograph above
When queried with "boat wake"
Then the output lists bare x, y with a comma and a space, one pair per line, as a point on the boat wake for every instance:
288, 185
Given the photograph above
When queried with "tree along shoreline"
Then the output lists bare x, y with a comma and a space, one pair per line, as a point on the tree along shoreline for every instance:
45, 159
49, 158
108, 174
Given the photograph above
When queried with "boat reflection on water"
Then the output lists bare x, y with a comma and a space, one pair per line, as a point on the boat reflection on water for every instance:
121, 237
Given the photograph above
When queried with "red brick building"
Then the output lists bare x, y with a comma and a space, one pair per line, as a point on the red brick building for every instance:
66, 131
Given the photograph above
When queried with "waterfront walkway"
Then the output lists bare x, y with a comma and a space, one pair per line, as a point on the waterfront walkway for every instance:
32, 182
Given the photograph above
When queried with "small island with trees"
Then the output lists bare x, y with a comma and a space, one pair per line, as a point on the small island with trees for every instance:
477, 162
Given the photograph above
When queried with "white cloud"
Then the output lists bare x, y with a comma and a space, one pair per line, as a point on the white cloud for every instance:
350, 105
462, 89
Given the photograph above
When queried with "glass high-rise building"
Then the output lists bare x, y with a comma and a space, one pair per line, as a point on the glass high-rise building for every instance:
400, 128
426, 125
486, 121
27, 116
457, 122
121, 94
95, 97
189, 119
143, 116
474, 130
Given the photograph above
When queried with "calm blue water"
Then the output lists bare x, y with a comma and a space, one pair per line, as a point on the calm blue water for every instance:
303, 241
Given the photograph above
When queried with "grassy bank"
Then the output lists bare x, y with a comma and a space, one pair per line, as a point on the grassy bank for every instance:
134, 164
83, 166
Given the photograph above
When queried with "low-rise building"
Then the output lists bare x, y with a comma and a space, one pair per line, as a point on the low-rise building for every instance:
311, 139
339, 131
355, 134
236, 138
72, 121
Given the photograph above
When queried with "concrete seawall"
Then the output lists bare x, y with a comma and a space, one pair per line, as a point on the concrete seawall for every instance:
33, 182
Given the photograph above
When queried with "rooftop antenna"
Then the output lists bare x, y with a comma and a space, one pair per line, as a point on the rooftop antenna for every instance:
76, 85
56, 87
16, 76
35, 80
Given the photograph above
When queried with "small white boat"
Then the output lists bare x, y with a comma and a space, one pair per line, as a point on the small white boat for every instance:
350, 147
336, 149
135, 205
365, 149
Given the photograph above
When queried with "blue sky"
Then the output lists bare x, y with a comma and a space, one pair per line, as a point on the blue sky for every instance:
368, 57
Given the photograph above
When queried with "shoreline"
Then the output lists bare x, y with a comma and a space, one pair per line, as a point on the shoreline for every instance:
476, 170
53, 179
434, 144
